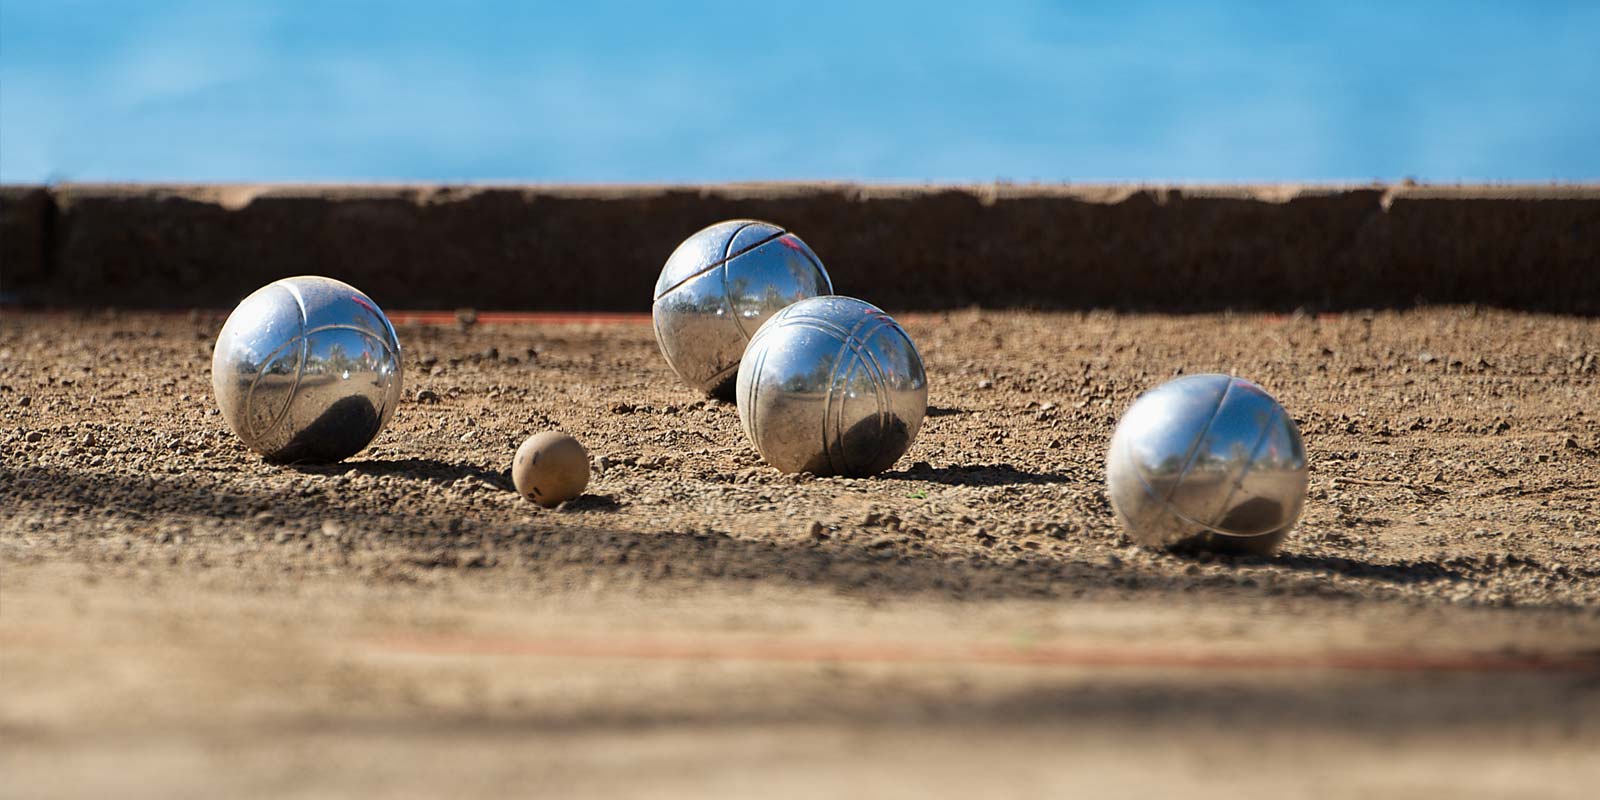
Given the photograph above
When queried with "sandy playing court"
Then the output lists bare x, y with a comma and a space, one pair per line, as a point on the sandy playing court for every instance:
179, 619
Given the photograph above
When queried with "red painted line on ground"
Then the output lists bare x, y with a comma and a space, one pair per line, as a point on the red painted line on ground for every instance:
867, 653
1322, 316
404, 317
552, 317
524, 317
410, 317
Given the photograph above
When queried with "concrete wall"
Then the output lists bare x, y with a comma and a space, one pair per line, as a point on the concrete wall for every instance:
599, 248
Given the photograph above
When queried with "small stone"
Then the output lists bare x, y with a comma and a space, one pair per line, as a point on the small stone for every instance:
25, 401
33, 436
985, 383
331, 529
87, 440
427, 396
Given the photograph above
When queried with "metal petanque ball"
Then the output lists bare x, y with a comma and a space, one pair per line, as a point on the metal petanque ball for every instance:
307, 369
832, 386
1207, 461
719, 286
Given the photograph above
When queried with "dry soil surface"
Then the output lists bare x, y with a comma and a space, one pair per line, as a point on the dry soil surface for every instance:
180, 619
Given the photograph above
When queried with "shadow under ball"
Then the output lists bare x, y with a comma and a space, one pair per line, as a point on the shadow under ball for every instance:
832, 386
307, 369
717, 289
1208, 461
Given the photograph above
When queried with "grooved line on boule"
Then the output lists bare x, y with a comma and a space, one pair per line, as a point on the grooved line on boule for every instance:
855, 340
1249, 461
303, 339
1166, 505
1194, 446
305, 353
709, 267
827, 408
661, 341
250, 394
879, 382
727, 296
753, 423
911, 347
391, 355
847, 341
827, 280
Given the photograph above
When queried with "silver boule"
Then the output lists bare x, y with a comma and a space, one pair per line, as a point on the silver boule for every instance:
1209, 461
832, 386
719, 286
307, 369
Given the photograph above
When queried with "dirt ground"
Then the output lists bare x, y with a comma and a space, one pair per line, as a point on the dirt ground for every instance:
180, 619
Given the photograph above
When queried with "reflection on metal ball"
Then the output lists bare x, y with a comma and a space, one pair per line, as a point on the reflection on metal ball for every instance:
307, 369
719, 286
832, 386
1208, 461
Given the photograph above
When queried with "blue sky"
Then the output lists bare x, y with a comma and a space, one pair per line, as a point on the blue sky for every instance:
708, 91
